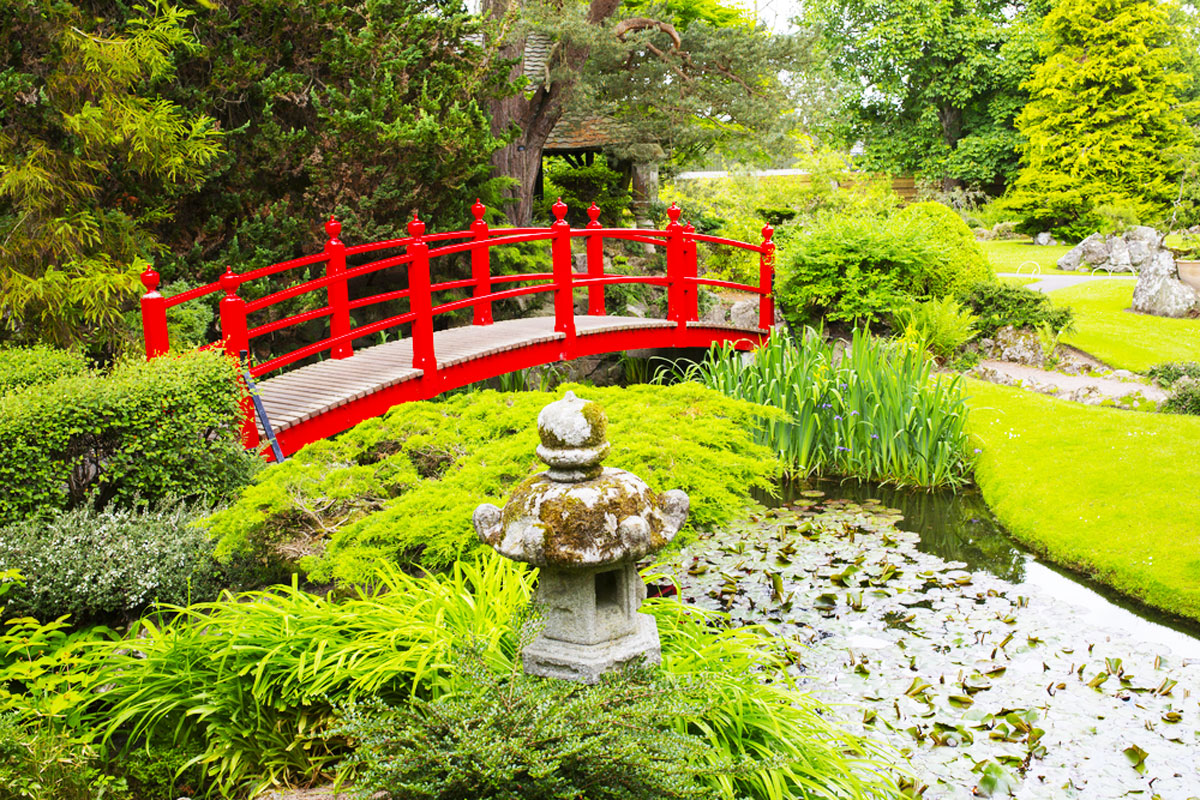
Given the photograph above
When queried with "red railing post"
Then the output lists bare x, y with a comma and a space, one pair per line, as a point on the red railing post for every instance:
233, 332
154, 316
675, 286
595, 263
419, 300
766, 277
336, 292
691, 291
560, 257
481, 270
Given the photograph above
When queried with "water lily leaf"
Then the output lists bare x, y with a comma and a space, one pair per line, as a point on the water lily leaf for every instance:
1172, 717
961, 701
1137, 758
1165, 687
917, 687
1099, 680
995, 781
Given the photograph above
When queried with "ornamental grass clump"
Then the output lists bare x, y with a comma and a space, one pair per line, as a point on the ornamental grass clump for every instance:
879, 413
257, 683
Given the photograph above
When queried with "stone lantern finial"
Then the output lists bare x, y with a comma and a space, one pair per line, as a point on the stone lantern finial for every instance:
585, 526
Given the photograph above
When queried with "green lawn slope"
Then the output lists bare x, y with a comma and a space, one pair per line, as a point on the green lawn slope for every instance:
1111, 494
1008, 255
1106, 329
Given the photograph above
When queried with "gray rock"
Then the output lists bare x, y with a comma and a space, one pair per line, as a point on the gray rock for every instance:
1071, 260
1145, 234
1044, 239
1017, 346
1093, 251
1140, 252
1164, 296
744, 314
1118, 255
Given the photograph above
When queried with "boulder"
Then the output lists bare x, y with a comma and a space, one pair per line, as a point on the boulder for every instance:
1093, 250
1020, 346
1160, 292
744, 314
1144, 233
1140, 252
1118, 255
1044, 239
1070, 261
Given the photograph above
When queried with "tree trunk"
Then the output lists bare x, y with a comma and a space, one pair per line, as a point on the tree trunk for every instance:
535, 115
951, 119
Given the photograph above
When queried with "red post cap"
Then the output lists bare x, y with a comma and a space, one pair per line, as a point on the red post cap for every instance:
767, 233
333, 228
479, 209
594, 212
230, 281
673, 214
560, 210
416, 228
150, 279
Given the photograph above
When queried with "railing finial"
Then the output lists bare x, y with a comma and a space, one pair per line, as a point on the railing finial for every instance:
767, 233
150, 279
416, 228
688, 227
560, 210
479, 209
333, 228
673, 214
594, 212
230, 281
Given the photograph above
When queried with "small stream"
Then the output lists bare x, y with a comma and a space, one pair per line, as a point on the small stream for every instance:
983, 671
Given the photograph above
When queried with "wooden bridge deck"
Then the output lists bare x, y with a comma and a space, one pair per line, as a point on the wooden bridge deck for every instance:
317, 389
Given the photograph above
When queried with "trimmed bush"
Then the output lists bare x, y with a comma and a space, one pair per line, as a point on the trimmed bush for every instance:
110, 564
1166, 374
998, 304
31, 366
148, 429
859, 269
1184, 397
402, 488
962, 261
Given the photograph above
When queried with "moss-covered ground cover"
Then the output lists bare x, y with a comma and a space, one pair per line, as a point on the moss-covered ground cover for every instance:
1007, 255
1120, 502
1106, 329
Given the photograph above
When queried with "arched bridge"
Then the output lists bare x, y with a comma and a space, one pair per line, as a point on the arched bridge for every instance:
355, 382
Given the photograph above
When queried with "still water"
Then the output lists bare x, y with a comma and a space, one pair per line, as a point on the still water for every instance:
959, 526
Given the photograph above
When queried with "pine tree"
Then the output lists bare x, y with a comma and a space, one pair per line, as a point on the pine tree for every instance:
1105, 128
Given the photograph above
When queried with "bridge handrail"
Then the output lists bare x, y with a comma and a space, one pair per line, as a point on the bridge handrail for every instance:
682, 282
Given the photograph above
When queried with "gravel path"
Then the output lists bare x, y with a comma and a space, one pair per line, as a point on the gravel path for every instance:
1050, 282
1108, 387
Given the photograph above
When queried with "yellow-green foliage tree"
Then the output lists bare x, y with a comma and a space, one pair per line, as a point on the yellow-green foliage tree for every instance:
1105, 128
89, 152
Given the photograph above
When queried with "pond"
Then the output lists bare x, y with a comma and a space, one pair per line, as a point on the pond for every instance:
984, 672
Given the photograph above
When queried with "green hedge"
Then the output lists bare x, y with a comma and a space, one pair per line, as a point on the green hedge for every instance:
146, 430
402, 488
31, 366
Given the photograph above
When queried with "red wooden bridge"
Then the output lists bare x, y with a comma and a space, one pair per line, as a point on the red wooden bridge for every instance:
323, 398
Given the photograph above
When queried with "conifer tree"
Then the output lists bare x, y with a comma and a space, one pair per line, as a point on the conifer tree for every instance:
1105, 128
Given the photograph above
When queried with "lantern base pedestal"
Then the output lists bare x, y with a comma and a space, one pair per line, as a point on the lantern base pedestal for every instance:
585, 663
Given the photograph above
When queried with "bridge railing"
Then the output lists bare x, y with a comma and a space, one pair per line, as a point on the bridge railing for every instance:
419, 249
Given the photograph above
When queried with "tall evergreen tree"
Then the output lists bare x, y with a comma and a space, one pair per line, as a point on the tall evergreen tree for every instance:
1106, 127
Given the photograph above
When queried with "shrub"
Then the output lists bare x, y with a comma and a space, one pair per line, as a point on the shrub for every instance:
258, 677
403, 487
37, 763
1166, 374
535, 738
937, 326
580, 186
860, 269
998, 304
112, 563
32, 366
876, 414
960, 260
148, 429
1184, 397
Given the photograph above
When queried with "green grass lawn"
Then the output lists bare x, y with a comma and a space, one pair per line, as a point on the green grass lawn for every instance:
1105, 329
1121, 508
1007, 255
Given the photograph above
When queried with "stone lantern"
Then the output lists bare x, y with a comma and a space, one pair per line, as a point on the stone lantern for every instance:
585, 526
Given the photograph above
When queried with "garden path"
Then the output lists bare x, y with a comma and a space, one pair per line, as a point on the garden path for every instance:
1110, 388
1049, 283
